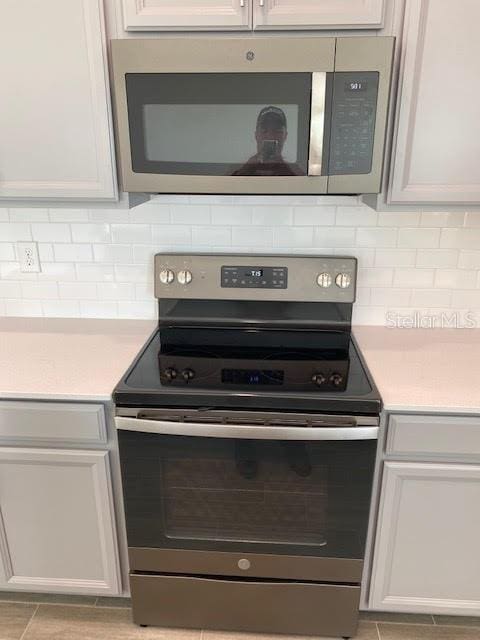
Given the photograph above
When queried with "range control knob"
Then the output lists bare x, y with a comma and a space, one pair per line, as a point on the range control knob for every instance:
343, 280
324, 280
184, 277
188, 374
170, 373
318, 379
336, 379
166, 276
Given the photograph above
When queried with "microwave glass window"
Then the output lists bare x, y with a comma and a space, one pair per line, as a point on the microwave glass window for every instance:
219, 124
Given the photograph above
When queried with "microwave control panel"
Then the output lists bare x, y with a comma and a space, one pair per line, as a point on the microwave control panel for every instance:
352, 131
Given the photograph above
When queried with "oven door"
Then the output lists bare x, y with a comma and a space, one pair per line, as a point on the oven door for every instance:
248, 498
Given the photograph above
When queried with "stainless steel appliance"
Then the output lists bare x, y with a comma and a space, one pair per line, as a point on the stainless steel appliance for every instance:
247, 429
257, 115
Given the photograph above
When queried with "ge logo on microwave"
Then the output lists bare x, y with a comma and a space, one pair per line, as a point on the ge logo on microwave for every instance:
250, 55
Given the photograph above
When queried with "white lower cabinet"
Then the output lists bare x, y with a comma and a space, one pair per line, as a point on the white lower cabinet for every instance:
57, 525
427, 556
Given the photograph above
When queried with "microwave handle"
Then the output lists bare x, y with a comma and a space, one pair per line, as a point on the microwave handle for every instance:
247, 431
318, 107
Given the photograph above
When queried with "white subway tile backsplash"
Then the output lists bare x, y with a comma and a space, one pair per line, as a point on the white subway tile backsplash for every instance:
7, 251
73, 252
13, 231
395, 257
113, 253
99, 263
469, 260
394, 219
171, 234
455, 279
91, 232
356, 217
418, 238
51, 232
212, 236
334, 237
228, 215
292, 236
414, 278
252, 237
137, 233
437, 258
94, 309
28, 215
77, 290
190, 214
61, 308
272, 216
314, 216
442, 219
39, 290
68, 215
376, 237
95, 273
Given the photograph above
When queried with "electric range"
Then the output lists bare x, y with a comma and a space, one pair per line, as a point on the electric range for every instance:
247, 429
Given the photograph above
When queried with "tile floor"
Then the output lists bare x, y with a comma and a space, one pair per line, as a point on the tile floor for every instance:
31, 616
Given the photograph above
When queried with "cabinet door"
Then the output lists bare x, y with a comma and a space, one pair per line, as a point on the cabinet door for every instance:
437, 147
186, 15
318, 14
55, 124
426, 553
57, 530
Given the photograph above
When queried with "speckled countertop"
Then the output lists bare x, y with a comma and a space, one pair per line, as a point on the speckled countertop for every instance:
67, 359
428, 370
435, 370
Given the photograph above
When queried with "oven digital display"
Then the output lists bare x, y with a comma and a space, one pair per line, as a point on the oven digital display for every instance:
253, 277
252, 376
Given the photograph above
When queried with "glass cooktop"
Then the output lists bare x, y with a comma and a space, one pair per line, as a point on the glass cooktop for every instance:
255, 368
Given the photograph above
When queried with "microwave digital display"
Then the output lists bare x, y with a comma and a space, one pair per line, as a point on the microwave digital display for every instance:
356, 86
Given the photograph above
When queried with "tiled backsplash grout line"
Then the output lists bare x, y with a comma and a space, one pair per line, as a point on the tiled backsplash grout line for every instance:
99, 262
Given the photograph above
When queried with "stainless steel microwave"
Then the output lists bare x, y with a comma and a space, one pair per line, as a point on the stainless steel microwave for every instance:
252, 115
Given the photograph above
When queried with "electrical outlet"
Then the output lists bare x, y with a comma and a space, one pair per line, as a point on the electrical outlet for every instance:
27, 253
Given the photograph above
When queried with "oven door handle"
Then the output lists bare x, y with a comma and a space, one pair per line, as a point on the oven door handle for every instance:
252, 432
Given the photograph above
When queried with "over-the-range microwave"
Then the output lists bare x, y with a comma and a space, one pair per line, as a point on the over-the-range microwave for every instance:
252, 115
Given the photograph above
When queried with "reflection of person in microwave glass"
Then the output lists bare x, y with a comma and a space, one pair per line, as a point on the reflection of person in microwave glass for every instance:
270, 135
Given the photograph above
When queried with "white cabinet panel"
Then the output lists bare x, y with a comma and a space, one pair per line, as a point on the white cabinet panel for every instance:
186, 15
57, 530
437, 147
47, 423
426, 551
318, 14
55, 123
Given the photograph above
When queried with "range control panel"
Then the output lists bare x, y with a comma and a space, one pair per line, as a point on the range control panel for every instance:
256, 277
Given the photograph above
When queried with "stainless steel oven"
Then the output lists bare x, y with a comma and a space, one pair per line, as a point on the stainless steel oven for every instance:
214, 498
247, 429
252, 114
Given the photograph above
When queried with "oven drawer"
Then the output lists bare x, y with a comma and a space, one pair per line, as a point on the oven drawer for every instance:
246, 565
255, 606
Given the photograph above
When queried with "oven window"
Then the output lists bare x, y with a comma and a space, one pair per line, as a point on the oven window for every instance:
219, 124
309, 498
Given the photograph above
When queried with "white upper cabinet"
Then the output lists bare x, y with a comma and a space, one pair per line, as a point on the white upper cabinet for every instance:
186, 15
437, 147
55, 122
318, 14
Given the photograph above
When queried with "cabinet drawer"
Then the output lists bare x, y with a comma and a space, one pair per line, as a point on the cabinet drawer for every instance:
44, 422
434, 436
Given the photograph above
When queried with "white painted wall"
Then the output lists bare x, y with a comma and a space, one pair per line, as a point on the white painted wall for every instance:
98, 263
